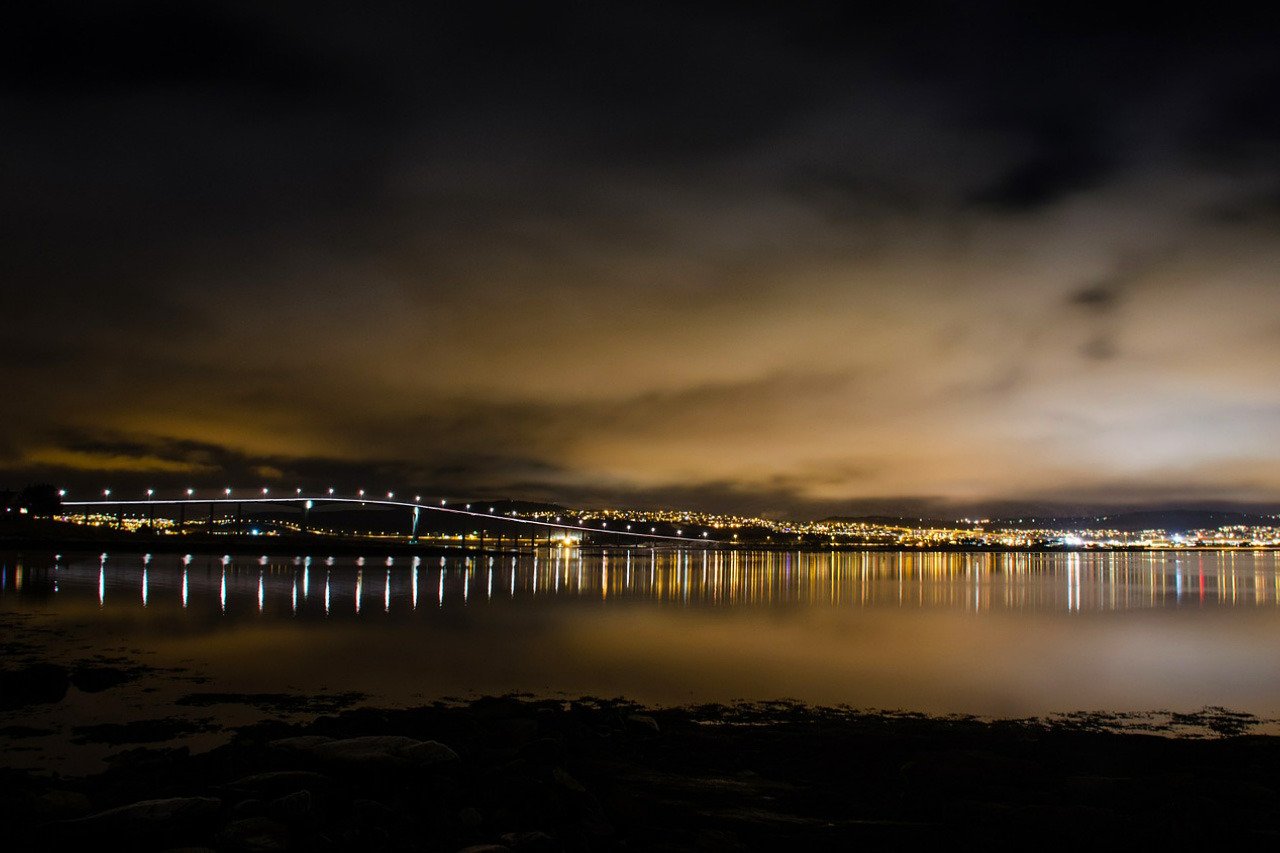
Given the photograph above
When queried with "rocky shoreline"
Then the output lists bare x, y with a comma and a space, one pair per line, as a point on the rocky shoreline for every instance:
516, 773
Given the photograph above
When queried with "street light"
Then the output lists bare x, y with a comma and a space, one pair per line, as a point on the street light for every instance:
390, 495
106, 493
62, 493
227, 491
264, 491
331, 490
150, 493
190, 492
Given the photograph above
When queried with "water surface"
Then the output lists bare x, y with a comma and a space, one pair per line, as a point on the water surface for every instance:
1009, 634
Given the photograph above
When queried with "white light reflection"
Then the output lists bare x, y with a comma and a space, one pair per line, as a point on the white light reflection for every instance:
359, 585
326, 593
260, 592
386, 592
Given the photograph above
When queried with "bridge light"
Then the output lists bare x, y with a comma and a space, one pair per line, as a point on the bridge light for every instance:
227, 491
150, 492
490, 509
468, 506
442, 502
106, 493
299, 491
62, 493
264, 490
190, 492
361, 492
390, 495
417, 499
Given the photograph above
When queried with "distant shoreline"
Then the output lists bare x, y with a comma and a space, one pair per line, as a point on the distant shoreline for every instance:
196, 543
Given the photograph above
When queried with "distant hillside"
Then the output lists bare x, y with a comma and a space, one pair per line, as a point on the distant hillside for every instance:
1173, 520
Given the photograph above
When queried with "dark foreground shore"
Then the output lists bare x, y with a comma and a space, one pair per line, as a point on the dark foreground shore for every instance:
517, 774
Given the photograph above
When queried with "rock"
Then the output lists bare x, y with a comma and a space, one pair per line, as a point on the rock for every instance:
279, 782
63, 805
151, 816
566, 781
643, 722
543, 751
531, 842
373, 752
247, 808
300, 744
471, 818
256, 834
290, 808
372, 813
39, 683
512, 731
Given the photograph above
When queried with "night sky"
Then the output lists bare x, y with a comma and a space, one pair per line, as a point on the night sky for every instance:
836, 257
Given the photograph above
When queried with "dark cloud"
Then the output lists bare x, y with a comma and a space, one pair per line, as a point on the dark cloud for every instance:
771, 256
1102, 297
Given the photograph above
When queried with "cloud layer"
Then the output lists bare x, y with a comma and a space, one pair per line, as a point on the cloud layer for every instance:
640, 253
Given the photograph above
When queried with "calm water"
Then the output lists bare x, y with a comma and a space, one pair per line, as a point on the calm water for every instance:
991, 634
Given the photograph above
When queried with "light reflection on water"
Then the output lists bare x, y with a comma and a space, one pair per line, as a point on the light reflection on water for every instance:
976, 582
986, 633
